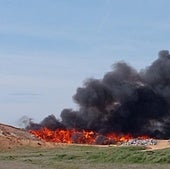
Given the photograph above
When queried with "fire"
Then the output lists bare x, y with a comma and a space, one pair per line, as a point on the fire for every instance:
65, 136
80, 137
119, 138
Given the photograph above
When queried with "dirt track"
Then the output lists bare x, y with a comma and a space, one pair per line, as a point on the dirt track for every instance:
17, 165
161, 144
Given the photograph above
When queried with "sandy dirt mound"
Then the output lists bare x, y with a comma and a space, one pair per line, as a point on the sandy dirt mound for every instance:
12, 137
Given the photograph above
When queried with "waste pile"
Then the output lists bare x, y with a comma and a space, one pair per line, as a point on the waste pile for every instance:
140, 142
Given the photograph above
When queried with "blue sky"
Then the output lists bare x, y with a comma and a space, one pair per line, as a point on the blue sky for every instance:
49, 47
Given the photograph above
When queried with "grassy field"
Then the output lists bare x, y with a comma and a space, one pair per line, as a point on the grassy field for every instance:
85, 157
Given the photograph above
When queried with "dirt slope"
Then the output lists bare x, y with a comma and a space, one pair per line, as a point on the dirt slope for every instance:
11, 137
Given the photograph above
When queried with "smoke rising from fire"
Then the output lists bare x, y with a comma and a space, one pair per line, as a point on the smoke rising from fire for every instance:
123, 101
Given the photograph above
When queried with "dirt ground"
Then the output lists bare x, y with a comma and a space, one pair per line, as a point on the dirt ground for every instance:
161, 144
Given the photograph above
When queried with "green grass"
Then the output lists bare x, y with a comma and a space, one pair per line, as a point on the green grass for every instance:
77, 157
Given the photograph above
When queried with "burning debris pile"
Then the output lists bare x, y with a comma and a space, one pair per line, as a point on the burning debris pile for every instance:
124, 102
81, 137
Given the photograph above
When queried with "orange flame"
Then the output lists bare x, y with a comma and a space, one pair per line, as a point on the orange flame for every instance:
80, 137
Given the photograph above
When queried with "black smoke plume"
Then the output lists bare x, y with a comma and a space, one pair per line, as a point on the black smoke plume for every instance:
123, 101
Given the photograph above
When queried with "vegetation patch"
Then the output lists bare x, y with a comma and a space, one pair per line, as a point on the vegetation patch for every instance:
77, 157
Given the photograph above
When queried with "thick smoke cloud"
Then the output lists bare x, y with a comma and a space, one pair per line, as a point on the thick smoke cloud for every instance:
123, 101
49, 122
